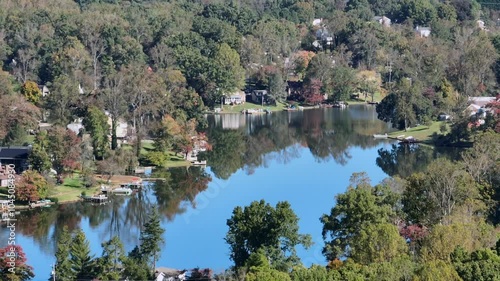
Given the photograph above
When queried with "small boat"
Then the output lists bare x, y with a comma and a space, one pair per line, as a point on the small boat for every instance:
121, 191
381, 136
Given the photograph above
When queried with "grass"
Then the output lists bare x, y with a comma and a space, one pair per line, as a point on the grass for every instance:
65, 193
422, 132
175, 160
249, 105
376, 98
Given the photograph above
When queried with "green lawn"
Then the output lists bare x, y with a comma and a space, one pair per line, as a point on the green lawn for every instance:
71, 189
376, 98
422, 132
249, 105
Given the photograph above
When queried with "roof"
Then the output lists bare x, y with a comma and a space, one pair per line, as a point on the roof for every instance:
481, 101
14, 152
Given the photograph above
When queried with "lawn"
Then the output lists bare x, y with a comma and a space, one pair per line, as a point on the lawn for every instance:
71, 189
422, 132
376, 98
249, 105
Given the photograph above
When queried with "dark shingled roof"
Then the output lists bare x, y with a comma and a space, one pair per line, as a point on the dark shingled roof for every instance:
14, 152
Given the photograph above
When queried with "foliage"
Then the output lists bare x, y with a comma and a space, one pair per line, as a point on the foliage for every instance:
273, 230
63, 265
151, 238
96, 123
362, 205
31, 91
32, 186
22, 271
82, 263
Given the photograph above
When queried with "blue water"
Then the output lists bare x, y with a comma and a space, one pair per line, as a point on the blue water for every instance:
195, 237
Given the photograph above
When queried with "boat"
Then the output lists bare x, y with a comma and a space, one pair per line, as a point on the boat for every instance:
381, 136
121, 191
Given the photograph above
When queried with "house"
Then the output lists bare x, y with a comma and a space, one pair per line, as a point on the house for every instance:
45, 91
258, 95
383, 20
121, 127
235, 98
480, 25
17, 156
317, 22
477, 105
75, 126
423, 31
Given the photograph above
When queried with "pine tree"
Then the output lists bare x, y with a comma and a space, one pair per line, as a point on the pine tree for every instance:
113, 256
82, 263
151, 238
63, 270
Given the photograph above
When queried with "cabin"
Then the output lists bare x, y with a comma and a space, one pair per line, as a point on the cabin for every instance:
17, 156
477, 105
235, 98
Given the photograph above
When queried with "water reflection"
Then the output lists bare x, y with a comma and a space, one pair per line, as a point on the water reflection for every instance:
246, 141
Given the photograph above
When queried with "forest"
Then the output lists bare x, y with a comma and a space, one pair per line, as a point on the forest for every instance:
160, 65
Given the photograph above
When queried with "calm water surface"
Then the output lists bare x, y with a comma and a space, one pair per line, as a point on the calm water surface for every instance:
303, 157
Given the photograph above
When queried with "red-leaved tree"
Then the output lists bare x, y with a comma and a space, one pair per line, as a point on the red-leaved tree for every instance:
13, 264
312, 92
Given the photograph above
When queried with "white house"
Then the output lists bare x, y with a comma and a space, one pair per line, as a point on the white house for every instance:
121, 127
45, 91
75, 126
423, 31
317, 22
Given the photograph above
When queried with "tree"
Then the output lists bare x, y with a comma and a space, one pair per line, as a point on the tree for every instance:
227, 73
31, 91
82, 263
260, 269
39, 159
109, 265
312, 92
17, 115
32, 186
13, 265
343, 82
64, 147
151, 238
362, 205
63, 269
277, 87
114, 101
96, 123
273, 230
62, 100
482, 264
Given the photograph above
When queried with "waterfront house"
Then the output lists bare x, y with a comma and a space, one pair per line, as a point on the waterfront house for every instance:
258, 95
235, 98
18, 156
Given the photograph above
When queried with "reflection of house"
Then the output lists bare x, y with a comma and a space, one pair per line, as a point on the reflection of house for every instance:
235, 98
423, 31
233, 121
258, 95
383, 20
17, 156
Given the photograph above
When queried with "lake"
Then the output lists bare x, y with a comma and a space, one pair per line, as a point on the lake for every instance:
304, 157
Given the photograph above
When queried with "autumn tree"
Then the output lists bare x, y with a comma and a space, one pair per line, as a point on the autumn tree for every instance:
312, 92
31, 91
32, 186
17, 115
13, 265
64, 149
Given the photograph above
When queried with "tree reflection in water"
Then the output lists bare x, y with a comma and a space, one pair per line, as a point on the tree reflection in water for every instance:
249, 142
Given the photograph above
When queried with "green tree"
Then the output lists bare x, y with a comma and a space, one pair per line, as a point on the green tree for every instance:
109, 265
151, 239
227, 73
436, 270
362, 205
260, 226
82, 263
260, 269
343, 82
39, 159
96, 123
277, 87
63, 269
62, 100
479, 265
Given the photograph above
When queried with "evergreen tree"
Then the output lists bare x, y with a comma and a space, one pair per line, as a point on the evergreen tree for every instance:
113, 256
63, 270
151, 238
39, 159
82, 263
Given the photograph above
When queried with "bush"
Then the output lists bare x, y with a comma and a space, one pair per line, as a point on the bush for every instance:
53, 199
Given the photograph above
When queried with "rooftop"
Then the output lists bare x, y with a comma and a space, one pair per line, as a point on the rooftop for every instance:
14, 152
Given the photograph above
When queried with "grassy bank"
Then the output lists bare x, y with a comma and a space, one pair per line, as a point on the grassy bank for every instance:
175, 160
376, 98
422, 132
